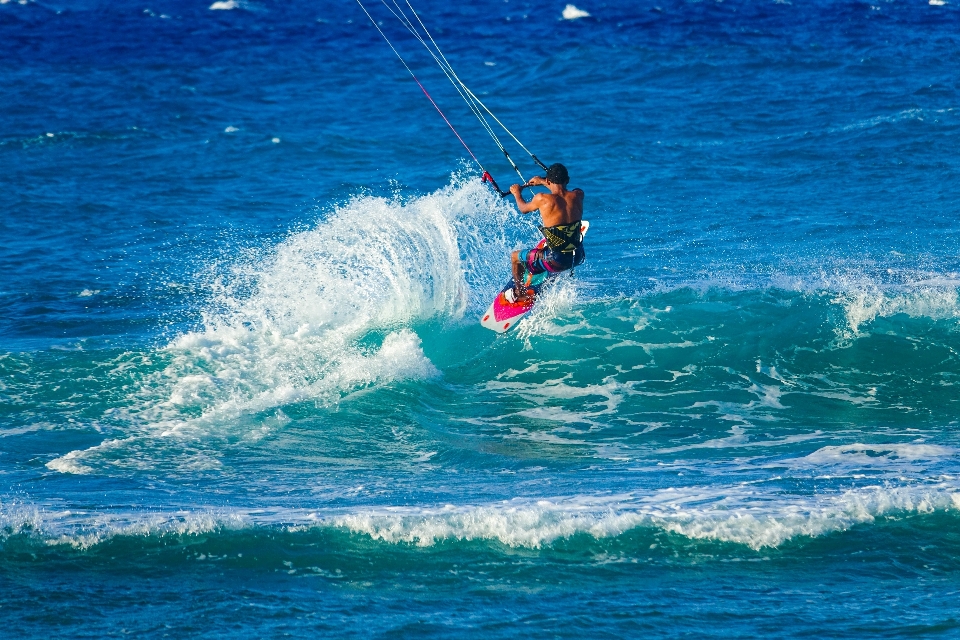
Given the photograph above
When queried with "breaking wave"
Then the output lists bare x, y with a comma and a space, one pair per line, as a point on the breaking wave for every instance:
741, 515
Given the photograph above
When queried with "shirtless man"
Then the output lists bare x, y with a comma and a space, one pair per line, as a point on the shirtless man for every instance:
562, 244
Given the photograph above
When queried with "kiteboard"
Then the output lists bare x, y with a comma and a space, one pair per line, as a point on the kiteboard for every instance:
506, 311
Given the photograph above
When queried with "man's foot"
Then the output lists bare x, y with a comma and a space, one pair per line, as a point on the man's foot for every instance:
522, 295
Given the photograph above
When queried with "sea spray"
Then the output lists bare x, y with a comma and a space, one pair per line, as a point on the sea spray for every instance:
327, 311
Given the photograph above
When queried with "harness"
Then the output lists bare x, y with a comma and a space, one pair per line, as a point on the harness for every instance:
564, 238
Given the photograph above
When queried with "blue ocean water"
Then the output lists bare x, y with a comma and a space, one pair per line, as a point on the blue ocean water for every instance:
243, 387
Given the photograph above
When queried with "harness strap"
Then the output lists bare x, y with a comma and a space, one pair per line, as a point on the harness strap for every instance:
565, 238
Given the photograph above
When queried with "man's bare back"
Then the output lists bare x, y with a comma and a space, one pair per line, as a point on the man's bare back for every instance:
559, 209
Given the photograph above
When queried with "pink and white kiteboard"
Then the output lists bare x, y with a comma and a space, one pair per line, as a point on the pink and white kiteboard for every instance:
506, 311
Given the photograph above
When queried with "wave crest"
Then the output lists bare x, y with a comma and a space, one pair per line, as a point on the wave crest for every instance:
754, 523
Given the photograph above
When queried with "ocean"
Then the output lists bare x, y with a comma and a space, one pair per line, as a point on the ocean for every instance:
244, 391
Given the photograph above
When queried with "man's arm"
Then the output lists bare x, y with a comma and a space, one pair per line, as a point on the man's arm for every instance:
523, 205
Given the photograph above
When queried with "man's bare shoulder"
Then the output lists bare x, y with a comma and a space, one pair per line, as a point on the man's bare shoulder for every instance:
542, 198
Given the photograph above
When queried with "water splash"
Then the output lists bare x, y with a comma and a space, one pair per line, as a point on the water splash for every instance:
324, 313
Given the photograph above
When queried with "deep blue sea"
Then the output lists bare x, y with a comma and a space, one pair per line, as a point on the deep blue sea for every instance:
244, 391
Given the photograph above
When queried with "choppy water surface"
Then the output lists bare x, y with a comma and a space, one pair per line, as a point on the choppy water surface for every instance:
243, 390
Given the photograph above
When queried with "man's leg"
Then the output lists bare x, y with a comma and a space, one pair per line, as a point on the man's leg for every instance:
519, 284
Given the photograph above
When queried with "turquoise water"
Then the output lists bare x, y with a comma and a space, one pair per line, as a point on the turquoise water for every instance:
243, 387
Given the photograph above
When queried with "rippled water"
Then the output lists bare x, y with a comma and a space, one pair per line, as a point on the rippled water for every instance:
244, 390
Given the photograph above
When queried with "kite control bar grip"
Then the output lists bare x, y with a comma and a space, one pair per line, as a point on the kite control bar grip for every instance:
486, 177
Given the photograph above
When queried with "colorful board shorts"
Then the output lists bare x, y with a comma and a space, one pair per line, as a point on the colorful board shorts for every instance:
543, 259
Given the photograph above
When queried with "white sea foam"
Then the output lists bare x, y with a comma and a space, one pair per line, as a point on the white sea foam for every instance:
864, 291
17, 518
745, 514
225, 5
143, 525
83, 530
598, 402
867, 294
571, 12
874, 454
739, 515
894, 460
864, 304
69, 463
326, 312
906, 114
557, 302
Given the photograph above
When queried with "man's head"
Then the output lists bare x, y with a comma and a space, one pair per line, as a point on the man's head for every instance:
557, 174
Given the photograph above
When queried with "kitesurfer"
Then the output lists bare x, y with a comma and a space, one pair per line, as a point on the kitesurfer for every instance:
561, 211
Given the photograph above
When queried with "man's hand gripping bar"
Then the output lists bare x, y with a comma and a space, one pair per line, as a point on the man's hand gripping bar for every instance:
486, 177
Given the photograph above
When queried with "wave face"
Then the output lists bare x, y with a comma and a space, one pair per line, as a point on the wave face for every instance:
243, 387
